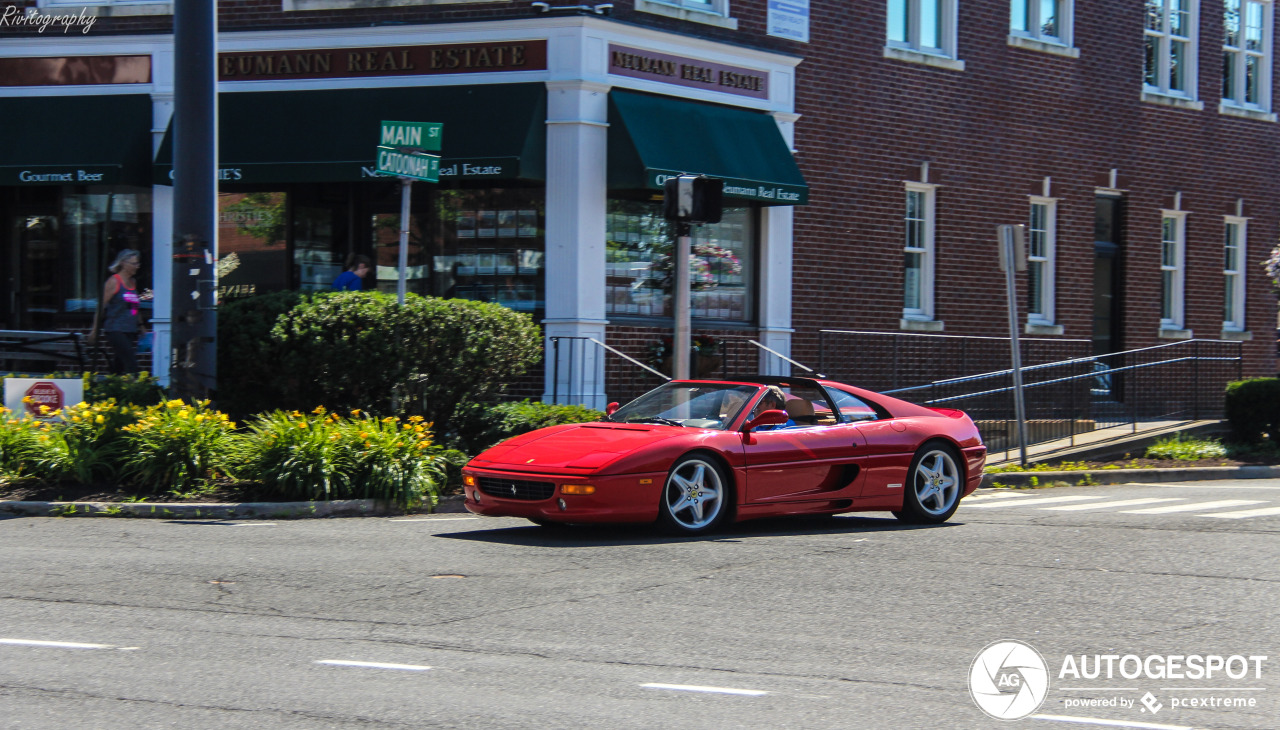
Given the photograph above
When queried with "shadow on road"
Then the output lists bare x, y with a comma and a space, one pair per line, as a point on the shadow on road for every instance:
567, 536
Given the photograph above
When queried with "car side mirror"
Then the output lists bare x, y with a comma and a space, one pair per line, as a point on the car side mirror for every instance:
611, 409
768, 418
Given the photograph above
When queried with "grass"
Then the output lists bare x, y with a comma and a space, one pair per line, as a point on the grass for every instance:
1182, 447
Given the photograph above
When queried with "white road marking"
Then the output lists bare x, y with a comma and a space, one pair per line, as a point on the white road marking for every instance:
996, 495
1111, 723
254, 524
1194, 506
54, 644
1120, 503
1037, 500
374, 665
697, 688
1260, 512
1232, 487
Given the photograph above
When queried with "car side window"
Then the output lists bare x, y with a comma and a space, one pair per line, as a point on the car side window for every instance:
806, 406
851, 407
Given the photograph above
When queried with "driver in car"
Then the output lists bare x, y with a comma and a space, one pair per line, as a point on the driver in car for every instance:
773, 400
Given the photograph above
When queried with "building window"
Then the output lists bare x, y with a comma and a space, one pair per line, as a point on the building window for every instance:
1172, 256
1233, 258
711, 12
639, 270
1048, 21
1246, 54
925, 26
1170, 66
918, 248
1041, 242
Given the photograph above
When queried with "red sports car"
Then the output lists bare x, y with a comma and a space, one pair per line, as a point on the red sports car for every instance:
693, 454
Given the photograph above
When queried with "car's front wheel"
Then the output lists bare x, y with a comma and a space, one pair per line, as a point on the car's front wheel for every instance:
934, 483
695, 498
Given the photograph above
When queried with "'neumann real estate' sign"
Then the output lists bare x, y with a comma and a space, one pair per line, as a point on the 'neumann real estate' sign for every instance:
690, 72
328, 63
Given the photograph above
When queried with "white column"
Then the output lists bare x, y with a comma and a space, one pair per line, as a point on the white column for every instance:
775, 272
577, 136
161, 249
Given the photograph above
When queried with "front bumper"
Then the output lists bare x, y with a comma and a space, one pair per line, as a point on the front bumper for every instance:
622, 498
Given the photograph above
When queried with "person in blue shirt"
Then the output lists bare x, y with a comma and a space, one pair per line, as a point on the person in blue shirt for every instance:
353, 278
773, 400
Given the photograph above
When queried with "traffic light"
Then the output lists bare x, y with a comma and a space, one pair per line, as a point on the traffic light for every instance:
693, 198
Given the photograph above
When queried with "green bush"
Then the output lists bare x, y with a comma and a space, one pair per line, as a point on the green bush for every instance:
1253, 408
19, 445
128, 390
176, 446
480, 426
362, 350
87, 446
1186, 448
248, 358
321, 456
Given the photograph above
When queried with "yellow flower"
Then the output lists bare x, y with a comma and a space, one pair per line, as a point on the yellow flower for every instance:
100, 419
389, 419
302, 424
28, 399
183, 413
199, 417
415, 419
355, 412
319, 410
175, 403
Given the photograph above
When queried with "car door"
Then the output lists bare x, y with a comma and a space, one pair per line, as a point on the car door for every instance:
890, 446
808, 461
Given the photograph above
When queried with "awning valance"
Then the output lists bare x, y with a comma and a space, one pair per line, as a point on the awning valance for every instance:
102, 139
493, 131
654, 137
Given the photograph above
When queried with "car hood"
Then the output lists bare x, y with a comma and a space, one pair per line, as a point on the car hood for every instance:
587, 446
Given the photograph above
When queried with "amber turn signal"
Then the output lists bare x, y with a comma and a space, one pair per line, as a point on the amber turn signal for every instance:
468, 480
577, 489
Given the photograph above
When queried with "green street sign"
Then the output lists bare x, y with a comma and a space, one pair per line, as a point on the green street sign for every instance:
417, 135
417, 165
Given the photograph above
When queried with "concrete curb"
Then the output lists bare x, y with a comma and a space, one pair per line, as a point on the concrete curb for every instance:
1124, 476
216, 511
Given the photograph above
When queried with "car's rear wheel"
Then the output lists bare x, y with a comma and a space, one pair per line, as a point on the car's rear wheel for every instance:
695, 498
934, 483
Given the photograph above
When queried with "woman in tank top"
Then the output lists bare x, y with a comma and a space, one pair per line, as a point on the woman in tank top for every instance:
119, 312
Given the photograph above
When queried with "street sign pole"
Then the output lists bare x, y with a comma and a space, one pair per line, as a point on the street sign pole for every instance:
1012, 260
406, 188
400, 153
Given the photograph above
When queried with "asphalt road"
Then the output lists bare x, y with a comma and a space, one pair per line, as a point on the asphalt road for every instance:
462, 622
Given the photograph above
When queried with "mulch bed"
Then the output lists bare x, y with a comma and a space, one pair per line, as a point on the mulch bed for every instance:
40, 492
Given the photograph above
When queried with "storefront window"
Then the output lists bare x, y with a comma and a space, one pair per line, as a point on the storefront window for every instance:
252, 245
489, 246
316, 260
640, 275
95, 226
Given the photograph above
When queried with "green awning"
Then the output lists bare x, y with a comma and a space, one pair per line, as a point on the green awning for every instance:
493, 131
654, 137
102, 139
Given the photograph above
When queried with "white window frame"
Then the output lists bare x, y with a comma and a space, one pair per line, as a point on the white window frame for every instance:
1047, 260
1164, 36
1173, 270
912, 47
926, 249
112, 8
710, 12
1238, 55
1234, 276
1066, 23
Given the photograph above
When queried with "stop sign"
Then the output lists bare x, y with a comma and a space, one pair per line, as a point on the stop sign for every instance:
44, 393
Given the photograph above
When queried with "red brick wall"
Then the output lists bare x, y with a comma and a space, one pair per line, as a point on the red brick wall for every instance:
991, 134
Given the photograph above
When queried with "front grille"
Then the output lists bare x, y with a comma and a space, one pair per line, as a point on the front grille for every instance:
516, 488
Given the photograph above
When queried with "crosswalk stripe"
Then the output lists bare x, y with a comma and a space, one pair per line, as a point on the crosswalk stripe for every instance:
1001, 495
1037, 500
1194, 506
1120, 503
1261, 512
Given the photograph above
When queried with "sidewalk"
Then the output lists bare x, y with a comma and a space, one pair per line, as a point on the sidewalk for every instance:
216, 511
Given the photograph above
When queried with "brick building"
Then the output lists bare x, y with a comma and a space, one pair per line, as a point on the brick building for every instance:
869, 150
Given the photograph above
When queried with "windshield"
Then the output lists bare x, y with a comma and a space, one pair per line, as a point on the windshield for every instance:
695, 405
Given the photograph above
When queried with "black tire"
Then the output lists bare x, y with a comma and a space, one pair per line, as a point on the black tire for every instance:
695, 498
935, 481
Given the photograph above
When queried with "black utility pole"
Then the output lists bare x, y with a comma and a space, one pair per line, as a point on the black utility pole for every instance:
194, 368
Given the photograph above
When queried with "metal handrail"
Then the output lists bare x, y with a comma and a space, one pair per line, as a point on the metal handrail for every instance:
779, 355
627, 357
954, 337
